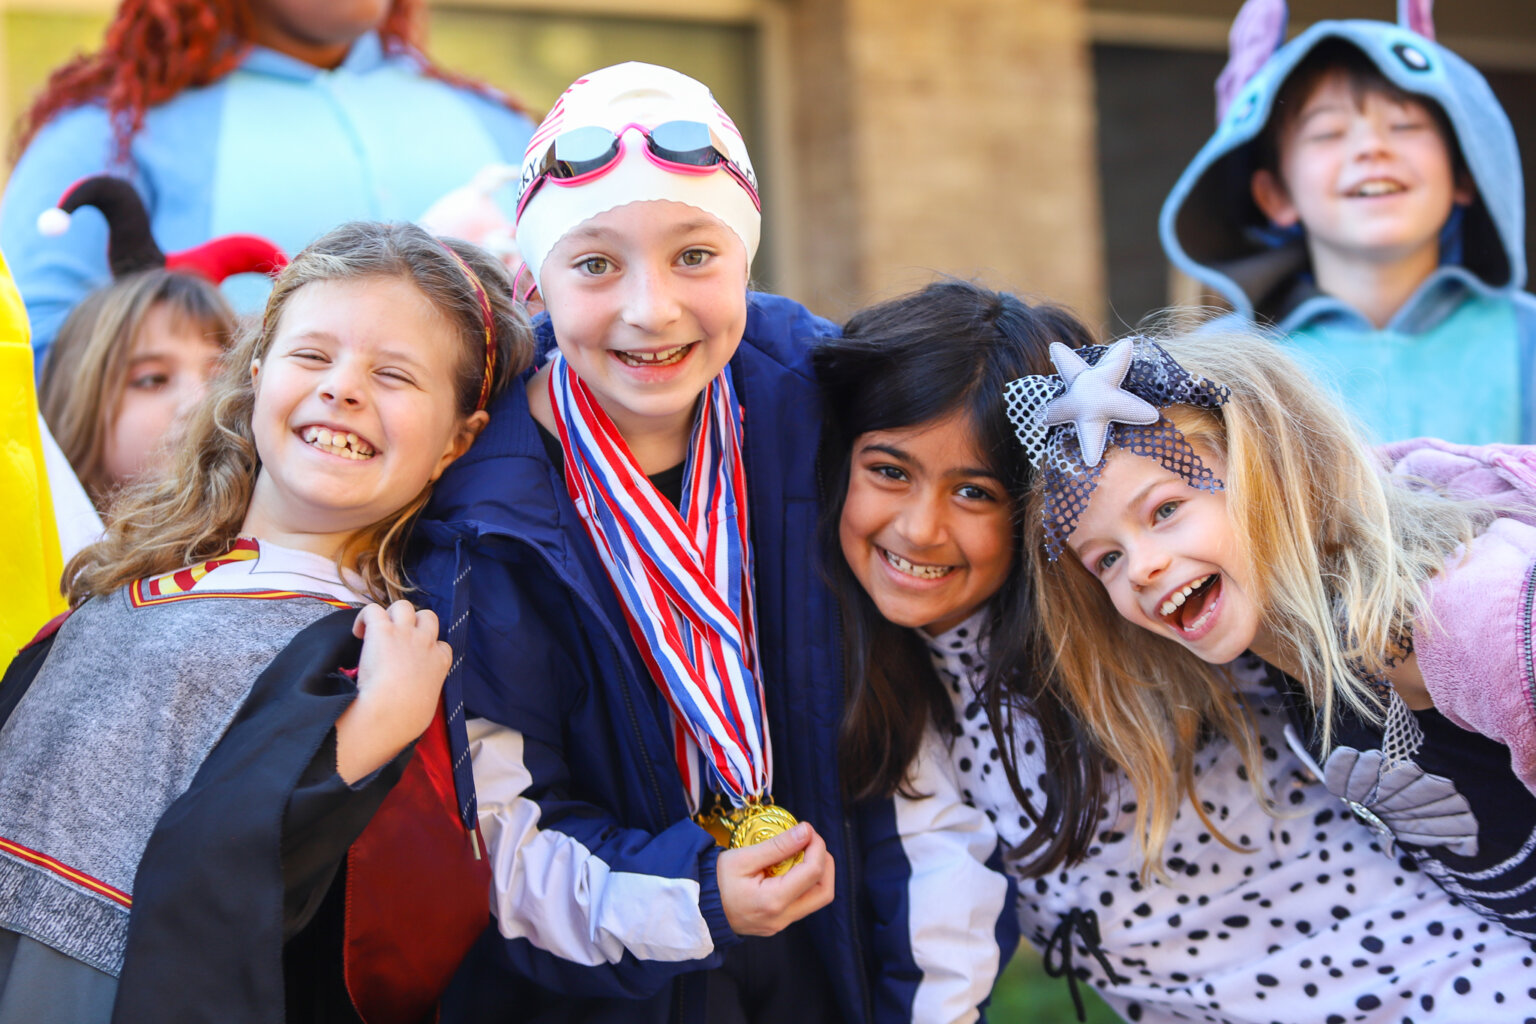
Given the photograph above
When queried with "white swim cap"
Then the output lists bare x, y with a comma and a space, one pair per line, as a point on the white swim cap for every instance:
614, 99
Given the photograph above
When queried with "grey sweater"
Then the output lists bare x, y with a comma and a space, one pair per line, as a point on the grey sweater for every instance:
113, 729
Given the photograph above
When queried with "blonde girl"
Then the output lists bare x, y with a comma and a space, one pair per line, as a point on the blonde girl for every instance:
1200, 498
183, 746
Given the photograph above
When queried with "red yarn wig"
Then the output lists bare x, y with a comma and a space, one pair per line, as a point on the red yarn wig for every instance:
154, 49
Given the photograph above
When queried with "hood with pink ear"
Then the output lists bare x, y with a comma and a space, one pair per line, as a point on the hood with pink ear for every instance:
1417, 16
1213, 231
1259, 30
131, 247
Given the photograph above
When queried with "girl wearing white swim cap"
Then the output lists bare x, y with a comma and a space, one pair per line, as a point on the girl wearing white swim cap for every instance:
649, 658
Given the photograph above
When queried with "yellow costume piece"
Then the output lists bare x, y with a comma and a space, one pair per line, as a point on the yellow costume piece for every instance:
30, 563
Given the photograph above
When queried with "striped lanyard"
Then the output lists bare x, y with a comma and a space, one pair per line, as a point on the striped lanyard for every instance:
683, 576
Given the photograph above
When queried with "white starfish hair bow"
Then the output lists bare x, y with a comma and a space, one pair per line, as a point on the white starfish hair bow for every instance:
1098, 396
1094, 397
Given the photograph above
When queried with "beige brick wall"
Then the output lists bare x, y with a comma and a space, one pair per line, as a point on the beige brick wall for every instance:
953, 137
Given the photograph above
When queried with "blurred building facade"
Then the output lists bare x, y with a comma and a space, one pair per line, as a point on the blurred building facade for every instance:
1024, 143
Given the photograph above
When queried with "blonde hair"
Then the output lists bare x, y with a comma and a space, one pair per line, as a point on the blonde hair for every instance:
86, 370
195, 511
1337, 558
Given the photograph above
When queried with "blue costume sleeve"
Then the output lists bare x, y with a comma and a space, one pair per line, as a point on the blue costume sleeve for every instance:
55, 273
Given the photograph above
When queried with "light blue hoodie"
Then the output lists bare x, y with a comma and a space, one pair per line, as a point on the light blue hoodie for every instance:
277, 148
1456, 360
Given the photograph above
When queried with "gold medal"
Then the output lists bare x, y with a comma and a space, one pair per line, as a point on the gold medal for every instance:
717, 823
759, 821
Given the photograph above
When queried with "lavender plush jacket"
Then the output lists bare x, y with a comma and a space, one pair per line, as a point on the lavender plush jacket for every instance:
1475, 644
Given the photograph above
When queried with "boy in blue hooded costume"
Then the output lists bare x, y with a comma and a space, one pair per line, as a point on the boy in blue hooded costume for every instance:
1363, 193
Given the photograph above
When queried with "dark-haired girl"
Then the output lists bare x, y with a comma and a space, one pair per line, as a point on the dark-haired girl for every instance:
281, 118
1273, 905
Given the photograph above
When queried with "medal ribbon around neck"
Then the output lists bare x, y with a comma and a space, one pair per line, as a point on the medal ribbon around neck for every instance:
684, 577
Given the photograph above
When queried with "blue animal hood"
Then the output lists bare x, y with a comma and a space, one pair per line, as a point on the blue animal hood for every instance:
1212, 229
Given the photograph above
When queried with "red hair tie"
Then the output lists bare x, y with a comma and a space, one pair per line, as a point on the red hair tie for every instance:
488, 318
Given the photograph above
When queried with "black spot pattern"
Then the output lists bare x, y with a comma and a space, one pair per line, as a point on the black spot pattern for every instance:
1317, 923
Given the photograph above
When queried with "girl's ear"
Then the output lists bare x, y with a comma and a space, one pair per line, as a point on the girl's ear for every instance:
462, 438
255, 369
1272, 197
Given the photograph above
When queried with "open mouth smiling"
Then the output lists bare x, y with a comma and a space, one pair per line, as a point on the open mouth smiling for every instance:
1376, 187
1190, 608
665, 357
915, 569
345, 444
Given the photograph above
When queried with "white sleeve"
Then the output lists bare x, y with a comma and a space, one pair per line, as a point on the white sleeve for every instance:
550, 888
955, 899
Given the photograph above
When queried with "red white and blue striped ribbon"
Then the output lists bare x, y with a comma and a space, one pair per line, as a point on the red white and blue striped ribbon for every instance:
683, 576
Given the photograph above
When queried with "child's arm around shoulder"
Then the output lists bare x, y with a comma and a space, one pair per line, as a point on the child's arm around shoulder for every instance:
1474, 648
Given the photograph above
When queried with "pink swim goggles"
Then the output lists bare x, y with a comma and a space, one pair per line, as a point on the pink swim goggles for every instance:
682, 147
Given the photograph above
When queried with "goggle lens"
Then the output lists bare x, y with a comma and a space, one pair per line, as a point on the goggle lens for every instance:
580, 152
686, 142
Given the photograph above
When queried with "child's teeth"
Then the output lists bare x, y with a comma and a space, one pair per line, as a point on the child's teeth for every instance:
671, 355
1177, 600
926, 572
345, 444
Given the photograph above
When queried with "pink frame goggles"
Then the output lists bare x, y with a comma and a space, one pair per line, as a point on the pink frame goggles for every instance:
681, 147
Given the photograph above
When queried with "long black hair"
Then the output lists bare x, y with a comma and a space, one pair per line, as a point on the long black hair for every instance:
951, 347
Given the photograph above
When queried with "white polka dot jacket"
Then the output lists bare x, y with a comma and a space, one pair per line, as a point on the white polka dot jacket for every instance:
1313, 920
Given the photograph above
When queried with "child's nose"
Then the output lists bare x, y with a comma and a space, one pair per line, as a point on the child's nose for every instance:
192, 393
650, 301
1147, 563
1370, 137
342, 384
921, 523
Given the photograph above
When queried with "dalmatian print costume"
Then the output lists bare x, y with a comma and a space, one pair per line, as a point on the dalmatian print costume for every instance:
1318, 924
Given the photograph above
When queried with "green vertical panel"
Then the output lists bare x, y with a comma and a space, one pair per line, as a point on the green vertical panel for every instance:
535, 56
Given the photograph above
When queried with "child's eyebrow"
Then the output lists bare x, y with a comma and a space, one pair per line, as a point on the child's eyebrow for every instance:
698, 224
1140, 496
889, 449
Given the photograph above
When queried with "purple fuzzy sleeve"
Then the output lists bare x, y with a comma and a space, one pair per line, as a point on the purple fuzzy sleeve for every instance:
1475, 644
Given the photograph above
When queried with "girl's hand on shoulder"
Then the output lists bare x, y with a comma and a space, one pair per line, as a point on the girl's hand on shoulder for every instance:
399, 680
757, 903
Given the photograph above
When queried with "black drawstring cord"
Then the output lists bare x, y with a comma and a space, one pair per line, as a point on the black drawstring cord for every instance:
1087, 924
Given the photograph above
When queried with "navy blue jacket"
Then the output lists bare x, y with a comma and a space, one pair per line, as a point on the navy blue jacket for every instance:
606, 889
